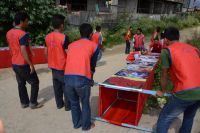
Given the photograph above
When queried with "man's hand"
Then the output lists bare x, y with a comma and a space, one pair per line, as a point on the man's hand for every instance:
32, 69
159, 93
92, 83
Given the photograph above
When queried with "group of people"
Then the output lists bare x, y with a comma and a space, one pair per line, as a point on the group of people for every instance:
137, 40
72, 64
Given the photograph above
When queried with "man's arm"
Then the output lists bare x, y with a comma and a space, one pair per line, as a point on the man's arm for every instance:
24, 42
94, 60
93, 63
100, 41
164, 79
26, 57
165, 63
66, 43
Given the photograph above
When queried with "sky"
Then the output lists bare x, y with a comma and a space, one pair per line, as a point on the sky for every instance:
196, 3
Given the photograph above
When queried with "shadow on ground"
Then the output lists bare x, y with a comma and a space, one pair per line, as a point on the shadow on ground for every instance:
101, 63
176, 124
94, 106
47, 94
43, 70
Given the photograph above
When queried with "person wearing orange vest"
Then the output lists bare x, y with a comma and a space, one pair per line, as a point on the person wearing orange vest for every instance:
79, 70
138, 40
98, 39
55, 51
23, 67
182, 62
155, 45
128, 36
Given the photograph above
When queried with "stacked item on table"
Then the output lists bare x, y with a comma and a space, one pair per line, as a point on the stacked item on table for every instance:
136, 73
144, 63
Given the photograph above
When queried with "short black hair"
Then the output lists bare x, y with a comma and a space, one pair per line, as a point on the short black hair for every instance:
139, 29
130, 27
172, 34
58, 20
98, 28
158, 28
85, 30
20, 16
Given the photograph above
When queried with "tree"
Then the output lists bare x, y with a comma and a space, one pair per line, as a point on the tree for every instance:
40, 12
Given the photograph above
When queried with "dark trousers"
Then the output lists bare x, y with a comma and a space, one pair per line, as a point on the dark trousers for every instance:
78, 89
174, 108
138, 49
128, 45
23, 75
58, 85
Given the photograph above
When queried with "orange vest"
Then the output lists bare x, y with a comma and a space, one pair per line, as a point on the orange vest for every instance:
95, 37
157, 47
56, 53
139, 40
79, 58
185, 66
13, 37
128, 35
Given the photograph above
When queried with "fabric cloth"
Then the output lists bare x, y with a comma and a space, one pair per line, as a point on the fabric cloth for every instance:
191, 94
78, 88
172, 109
23, 75
120, 81
59, 85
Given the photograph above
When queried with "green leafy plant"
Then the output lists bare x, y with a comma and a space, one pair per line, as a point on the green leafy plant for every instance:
195, 40
40, 12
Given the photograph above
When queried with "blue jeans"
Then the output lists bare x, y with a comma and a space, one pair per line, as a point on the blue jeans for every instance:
77, 89
174, 108
99, 55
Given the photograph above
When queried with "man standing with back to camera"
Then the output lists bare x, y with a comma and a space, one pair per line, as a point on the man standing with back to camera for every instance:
80, 67
55, 51
23, 67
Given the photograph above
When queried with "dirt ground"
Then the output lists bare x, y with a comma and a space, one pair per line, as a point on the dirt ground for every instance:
50, 120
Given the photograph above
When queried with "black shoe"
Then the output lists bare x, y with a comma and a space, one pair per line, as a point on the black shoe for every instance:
67, 108
60, 107
36, 106
24, 106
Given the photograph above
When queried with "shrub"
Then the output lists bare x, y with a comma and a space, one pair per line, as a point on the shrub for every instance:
195, 40
40, 12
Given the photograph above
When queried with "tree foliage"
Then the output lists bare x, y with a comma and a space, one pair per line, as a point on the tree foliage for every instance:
40, 12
